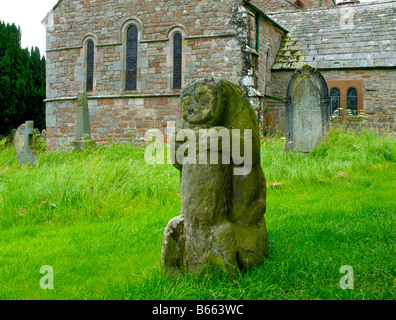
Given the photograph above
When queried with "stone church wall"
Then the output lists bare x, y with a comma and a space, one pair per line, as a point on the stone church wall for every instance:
210, 48
217, 41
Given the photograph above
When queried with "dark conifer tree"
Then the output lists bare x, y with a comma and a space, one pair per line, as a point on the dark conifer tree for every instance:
22, 82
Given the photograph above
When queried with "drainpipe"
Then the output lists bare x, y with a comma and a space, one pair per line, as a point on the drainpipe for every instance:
259, 16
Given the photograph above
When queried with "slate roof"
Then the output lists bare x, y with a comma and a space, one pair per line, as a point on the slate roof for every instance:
325, 40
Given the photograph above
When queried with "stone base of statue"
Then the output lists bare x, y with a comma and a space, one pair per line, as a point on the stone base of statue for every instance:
81, 145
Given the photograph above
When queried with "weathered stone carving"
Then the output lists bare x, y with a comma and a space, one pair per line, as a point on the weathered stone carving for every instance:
222, 214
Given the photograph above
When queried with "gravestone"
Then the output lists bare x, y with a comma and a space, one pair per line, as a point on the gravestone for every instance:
222, 214
83, 128
10, 139
307, 110
43, 135
25, 143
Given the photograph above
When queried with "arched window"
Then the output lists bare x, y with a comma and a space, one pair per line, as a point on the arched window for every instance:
131, 58
90, 65
352, 101
177, 60
334, 101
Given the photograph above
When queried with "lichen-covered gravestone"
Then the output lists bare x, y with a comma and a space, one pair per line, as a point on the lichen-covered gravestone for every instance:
83, 127
25, 143
10, 140
222, 214
307, 110
43, 135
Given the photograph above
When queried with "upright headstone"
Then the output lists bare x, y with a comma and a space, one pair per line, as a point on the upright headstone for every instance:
222, 213
25, 143
83, 128
307, 110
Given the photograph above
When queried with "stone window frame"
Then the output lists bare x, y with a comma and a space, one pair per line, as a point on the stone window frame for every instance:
169, 59
343, 86
125, 25
83, 53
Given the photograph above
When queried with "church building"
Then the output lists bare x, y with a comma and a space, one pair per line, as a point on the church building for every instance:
133, 57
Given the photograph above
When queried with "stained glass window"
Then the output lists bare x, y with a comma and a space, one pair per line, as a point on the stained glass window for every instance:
334, 101
352, 101
90, 65
177, 61
131, 58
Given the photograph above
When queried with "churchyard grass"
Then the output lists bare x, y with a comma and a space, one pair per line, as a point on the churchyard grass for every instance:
97, 218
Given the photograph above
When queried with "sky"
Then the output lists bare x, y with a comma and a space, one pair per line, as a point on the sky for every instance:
28, 14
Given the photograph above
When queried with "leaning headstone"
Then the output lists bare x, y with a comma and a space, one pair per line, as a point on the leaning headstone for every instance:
222, 214
307, 110
43, 135
10, 139
83, 128
25, 143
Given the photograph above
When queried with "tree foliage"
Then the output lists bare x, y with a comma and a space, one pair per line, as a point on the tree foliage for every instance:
22, 81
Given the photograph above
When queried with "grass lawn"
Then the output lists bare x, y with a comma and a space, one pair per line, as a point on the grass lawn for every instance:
97, 218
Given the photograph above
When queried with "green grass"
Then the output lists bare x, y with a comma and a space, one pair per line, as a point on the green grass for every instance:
98, 218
